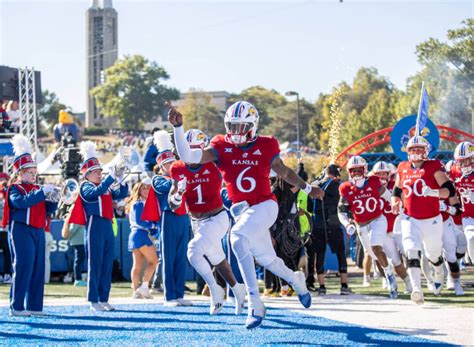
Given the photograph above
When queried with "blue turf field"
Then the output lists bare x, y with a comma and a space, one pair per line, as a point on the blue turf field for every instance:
192, 326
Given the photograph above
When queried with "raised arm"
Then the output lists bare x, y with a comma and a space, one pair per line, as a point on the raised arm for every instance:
90, 192
19, 200
292, 178
188, 155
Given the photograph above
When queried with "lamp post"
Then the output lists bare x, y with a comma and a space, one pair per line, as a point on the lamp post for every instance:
292, 93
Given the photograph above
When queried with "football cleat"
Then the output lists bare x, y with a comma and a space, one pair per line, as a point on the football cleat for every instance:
217, 300
239, 294
255, 316
392, 284
299, 285
458, 288
437, 287
417, 297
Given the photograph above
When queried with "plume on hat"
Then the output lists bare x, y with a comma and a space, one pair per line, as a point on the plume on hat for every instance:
88, 150
21, 145
162, 140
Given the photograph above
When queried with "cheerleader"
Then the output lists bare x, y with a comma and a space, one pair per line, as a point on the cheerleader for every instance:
94, 209
139, 242
174, 225
26, 207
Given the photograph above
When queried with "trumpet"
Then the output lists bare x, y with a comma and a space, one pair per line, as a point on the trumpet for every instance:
53, 195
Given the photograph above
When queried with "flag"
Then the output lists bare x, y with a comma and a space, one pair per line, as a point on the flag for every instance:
422, 117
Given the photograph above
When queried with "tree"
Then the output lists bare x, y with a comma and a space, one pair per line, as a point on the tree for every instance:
199, 113
49, 111
448, 70
133, 91
263, 99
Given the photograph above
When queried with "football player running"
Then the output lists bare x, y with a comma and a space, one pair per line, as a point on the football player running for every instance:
245, 159
361, 196
392, 245
421, 182
464, 156
200, 187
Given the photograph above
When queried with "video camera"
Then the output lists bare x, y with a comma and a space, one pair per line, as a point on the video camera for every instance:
69, 156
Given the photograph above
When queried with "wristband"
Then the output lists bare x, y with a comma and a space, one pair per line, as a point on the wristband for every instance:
307, 189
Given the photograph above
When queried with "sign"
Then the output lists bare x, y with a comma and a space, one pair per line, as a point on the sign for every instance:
405, 128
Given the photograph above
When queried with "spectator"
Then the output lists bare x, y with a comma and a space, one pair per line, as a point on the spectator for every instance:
65, 125
4, 121
47, 247
119, 209
14, 115
328, 230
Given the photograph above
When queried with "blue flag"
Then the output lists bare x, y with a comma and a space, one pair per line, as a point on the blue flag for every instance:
422, 117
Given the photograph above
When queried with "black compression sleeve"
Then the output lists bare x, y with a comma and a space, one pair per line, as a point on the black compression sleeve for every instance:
397, 192
449, 186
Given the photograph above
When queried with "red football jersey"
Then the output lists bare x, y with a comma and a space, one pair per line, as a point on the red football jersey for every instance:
364, 202
412, 181
387, 209
246, 170
203, 187
463, 185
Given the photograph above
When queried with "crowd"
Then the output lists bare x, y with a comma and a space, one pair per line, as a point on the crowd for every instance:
247, 211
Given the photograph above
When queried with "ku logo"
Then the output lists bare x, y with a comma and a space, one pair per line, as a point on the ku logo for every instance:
228, 150
181, 176
257, 152
350, 193
245, 155
196, 175
206, 172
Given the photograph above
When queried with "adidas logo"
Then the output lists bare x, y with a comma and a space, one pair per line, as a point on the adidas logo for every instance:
206, 172
257, 152
369, 189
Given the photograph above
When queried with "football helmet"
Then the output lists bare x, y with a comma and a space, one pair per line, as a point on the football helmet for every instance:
354, 165
241, 123
196, 138
382, 170
464, 156
418, 142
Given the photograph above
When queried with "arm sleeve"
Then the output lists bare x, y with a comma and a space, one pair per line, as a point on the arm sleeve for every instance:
188, 155
21, 201
90, 192
120, 193
161, 185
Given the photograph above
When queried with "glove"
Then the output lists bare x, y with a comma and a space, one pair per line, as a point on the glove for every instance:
48, 189
351, 229
442, 206
112, 172
427, 191
182, 186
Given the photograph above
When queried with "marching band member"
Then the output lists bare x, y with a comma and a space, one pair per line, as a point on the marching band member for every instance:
361, 196
139, 241
199, 186
26, 208
174, 225
421, 182
94, 209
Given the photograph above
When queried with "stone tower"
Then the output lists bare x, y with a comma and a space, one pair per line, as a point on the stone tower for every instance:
101, 53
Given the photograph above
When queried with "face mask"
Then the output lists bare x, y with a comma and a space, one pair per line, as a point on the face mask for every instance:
358, 181
466, 170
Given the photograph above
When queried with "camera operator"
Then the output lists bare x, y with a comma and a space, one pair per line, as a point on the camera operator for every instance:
65, 126
327, 229
5, 123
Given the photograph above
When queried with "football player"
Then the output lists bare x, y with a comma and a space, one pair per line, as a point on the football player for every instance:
464, 156
200, 187
245, 159
392, 245
421, 182
361, 196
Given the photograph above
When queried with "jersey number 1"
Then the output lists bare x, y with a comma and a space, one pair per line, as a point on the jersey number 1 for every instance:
199, 194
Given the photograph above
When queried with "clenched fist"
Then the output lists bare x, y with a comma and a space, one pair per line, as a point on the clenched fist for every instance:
174, 116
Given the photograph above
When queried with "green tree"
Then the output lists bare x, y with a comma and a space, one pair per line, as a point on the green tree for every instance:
49, 112
134, 91
199, 113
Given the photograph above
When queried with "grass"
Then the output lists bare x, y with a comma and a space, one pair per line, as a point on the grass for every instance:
122, 289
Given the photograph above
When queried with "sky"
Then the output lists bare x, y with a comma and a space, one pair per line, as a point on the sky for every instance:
305, 46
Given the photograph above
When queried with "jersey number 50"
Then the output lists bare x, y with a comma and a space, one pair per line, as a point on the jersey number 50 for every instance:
417, 187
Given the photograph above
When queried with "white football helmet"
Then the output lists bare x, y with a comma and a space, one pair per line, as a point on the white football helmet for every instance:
197, 138
357, 162
393, 169
464, 156
241, 123
418, 142
382, 170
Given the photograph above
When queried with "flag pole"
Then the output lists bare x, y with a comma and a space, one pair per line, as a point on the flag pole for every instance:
417, 130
